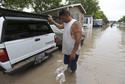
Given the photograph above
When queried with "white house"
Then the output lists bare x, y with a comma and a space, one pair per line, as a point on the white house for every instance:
88, 21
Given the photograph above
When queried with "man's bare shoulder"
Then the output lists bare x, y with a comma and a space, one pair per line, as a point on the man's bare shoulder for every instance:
76, 25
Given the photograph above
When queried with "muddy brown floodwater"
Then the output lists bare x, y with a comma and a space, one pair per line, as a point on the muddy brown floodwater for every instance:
101, 61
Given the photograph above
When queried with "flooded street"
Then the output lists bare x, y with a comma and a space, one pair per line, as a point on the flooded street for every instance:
101, 61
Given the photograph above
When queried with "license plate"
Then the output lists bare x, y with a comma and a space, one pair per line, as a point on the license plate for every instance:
42, 55
38, 58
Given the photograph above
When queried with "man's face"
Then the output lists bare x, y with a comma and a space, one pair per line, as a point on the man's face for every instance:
64, 18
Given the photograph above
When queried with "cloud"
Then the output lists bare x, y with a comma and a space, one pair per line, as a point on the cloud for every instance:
113, 9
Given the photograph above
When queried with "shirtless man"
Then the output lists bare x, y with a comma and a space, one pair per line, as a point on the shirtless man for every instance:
71, 38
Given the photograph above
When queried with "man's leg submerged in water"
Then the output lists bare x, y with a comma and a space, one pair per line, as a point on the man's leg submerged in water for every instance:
71, 63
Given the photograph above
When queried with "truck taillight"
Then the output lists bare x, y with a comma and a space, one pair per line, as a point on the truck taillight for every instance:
3, 55
55, 38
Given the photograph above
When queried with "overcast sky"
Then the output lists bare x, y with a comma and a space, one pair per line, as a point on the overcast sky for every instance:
113, 9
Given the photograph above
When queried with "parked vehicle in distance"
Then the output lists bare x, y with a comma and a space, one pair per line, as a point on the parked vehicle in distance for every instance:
59, 35
24, 40
98, 23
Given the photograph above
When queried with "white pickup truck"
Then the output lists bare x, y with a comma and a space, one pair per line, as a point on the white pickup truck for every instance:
24, 41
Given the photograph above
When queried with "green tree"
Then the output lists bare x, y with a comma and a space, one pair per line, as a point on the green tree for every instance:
101, 15
44, 5
14, 4
91, 6
122, 19
37, 5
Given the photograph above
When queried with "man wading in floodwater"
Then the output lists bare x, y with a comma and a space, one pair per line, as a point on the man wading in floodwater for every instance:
71, 38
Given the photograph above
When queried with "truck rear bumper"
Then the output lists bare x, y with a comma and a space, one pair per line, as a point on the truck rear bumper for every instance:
31, 61
50, 51
5, 65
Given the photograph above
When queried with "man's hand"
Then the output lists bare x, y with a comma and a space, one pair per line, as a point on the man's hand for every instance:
72, 56
50, 18
56, 24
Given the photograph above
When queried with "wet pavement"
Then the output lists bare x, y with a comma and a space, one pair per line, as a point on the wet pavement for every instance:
101, 61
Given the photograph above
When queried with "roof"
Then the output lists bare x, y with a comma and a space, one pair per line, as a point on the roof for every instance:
88, 15
98, 20
72, 5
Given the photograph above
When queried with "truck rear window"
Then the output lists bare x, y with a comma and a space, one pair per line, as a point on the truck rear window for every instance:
20, 29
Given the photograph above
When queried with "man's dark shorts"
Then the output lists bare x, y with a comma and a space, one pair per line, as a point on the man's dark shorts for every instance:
72, 63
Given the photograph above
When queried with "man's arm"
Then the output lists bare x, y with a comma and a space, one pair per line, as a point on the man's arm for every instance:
60, 26
77, 30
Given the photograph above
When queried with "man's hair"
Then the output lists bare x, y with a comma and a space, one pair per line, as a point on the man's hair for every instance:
64, 11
